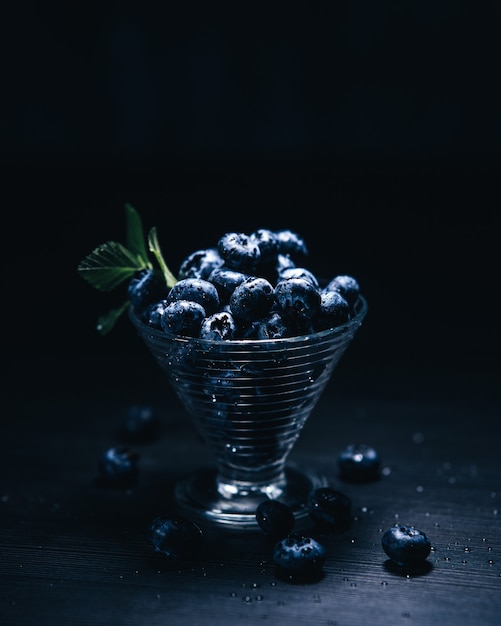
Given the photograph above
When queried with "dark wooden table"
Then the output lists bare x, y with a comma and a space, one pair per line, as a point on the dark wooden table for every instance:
75, 553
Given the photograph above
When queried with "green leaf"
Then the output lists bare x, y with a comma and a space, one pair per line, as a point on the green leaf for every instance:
109, 265
135, 234
170, 279
106, 322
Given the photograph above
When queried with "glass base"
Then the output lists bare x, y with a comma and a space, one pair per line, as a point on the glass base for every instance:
198, 496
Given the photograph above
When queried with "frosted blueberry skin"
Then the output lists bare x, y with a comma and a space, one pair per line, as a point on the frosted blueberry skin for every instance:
200, 264
275, 519
330, 509
406, 545
118, 467
183, 317
346, 285
145, 289
175, 537
252, 299
196, 290
219, 326
299, 557
359, 463
239, 251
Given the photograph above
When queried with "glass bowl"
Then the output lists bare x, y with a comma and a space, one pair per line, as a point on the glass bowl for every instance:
249, 400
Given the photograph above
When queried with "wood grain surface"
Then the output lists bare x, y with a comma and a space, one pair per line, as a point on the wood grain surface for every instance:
75, 553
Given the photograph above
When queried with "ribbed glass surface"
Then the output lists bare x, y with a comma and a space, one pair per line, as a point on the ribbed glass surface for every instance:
250, 399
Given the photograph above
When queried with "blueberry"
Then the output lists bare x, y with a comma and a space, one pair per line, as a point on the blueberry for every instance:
275, 519
329, 508
252, 299
292, 244
225, 281
200, 264
141, 424
175, 536
359, 463
153, 313
406, 545
299, 557
239, 251
183, 317
298, 298
333, 311
299, 272
346, 285
145, 288
273, 326
218, 327
267, 241
196, 290
118, 467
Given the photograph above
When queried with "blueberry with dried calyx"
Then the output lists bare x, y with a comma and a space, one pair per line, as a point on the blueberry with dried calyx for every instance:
239, 251
219, 326
359, 463
406, 545
275, 519
175, 536
299, 557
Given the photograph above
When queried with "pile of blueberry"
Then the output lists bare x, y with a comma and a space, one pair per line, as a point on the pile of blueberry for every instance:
254, 286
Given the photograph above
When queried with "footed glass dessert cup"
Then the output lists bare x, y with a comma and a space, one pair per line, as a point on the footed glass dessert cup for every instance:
249, 400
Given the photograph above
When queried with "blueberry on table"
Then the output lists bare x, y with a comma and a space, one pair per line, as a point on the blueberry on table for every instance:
275, 519
145, 288
329, 508
183, 317
118, 467
239, 251
299, 557
406, 545
175, 536
196, 290
359, 463
200, 264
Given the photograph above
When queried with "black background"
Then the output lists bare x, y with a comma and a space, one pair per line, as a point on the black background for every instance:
372, 129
